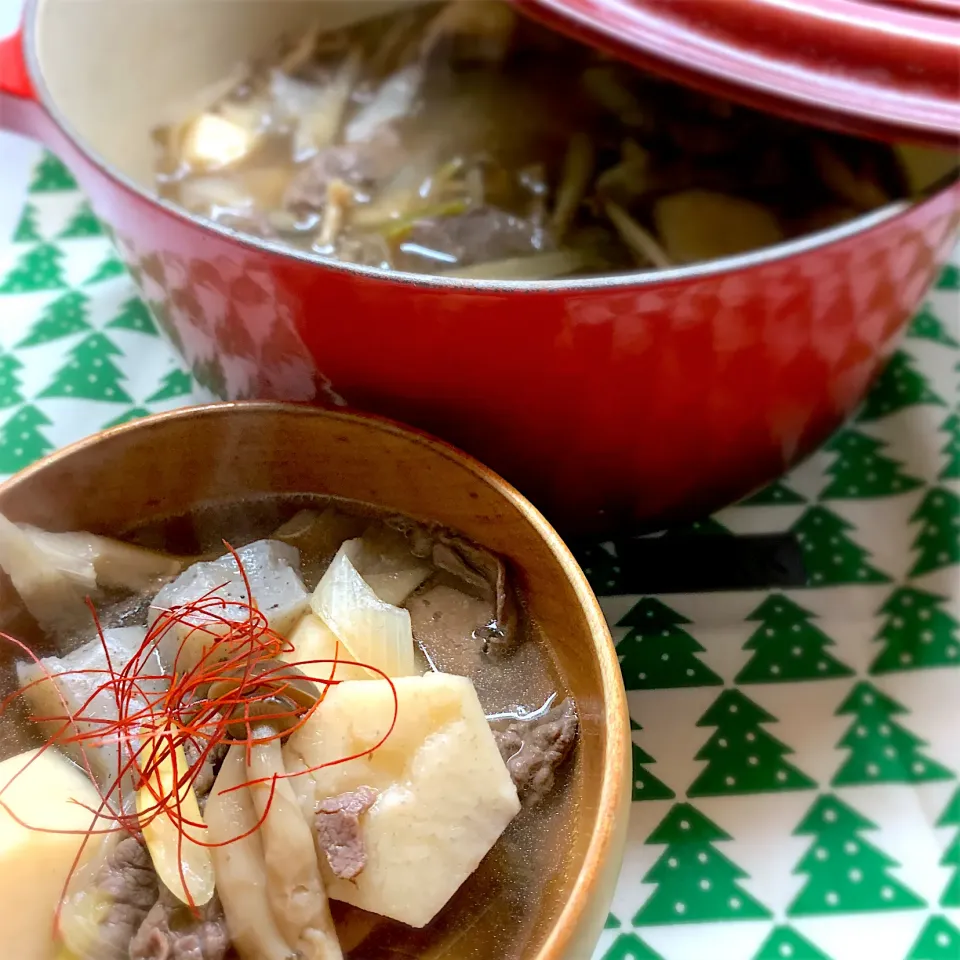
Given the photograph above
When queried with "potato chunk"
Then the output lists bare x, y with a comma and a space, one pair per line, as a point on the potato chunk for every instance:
445, 795
35, 865
701, 225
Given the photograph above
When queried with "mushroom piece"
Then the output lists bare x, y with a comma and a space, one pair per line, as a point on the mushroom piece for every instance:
268, 698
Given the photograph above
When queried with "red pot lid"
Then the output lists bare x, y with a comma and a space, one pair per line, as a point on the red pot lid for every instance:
884, 69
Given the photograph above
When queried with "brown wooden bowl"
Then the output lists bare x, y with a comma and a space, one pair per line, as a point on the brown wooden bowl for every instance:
165, 464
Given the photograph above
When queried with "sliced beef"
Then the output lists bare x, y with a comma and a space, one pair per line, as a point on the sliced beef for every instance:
361, 165
128, 879
476, 236
533, 750
483, 575
171, 931
338, 831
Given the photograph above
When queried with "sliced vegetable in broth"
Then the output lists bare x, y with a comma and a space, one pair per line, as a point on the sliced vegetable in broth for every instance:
462, 140
280, 736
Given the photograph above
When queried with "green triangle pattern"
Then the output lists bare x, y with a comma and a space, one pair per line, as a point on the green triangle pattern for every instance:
918, 632
612, 923
110, 268
949, 278
601, 568
939, 940
775, 494
938, 542
695, 882
209, 374
63, 317
177, 383
645, 785
134, 316
628, 946
881, 750
40, 268
927, 325
134, 413
742, 757
951, 856
10, 385
50, 176
900, 385
787, 647
22, 440
83, 223
27, 230
951, 469
860, 471
784, 943
90, 373
845, 873
831, 557
658, 653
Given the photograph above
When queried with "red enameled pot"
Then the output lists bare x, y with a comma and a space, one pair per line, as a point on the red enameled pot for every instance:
620, 400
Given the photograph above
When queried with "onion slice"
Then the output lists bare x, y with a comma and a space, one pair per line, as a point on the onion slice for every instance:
373, 631
182, 862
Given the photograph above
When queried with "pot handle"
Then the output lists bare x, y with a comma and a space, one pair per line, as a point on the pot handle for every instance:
20, 111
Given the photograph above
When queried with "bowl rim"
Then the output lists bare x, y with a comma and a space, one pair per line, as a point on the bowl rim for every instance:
631, 280
602, 848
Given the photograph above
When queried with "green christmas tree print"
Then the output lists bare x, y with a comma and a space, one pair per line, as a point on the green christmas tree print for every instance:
938, 541
134, 413
917, 633
949, 278
90, 373
601, 567
939, 940
27, 230
845, 873
784, 943
67, 315
656, 652
612, 923
951, 426
82, 224
787, 647
708, 527
927, 325
110, 268
177, 383
10, 394
628, 946
134, 316
775, 494
50, 175
741, 756
38, 269
695, 882
951, 856
645, 785
21, 441
860, 471
881, 750
899, 386
831, 557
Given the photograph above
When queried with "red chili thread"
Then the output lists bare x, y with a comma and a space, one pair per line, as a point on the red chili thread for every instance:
180, 715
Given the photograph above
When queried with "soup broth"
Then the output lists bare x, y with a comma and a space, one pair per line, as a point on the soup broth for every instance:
462, 140
495, 913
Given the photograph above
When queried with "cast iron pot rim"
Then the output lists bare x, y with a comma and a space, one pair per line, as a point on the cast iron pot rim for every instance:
614, 282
